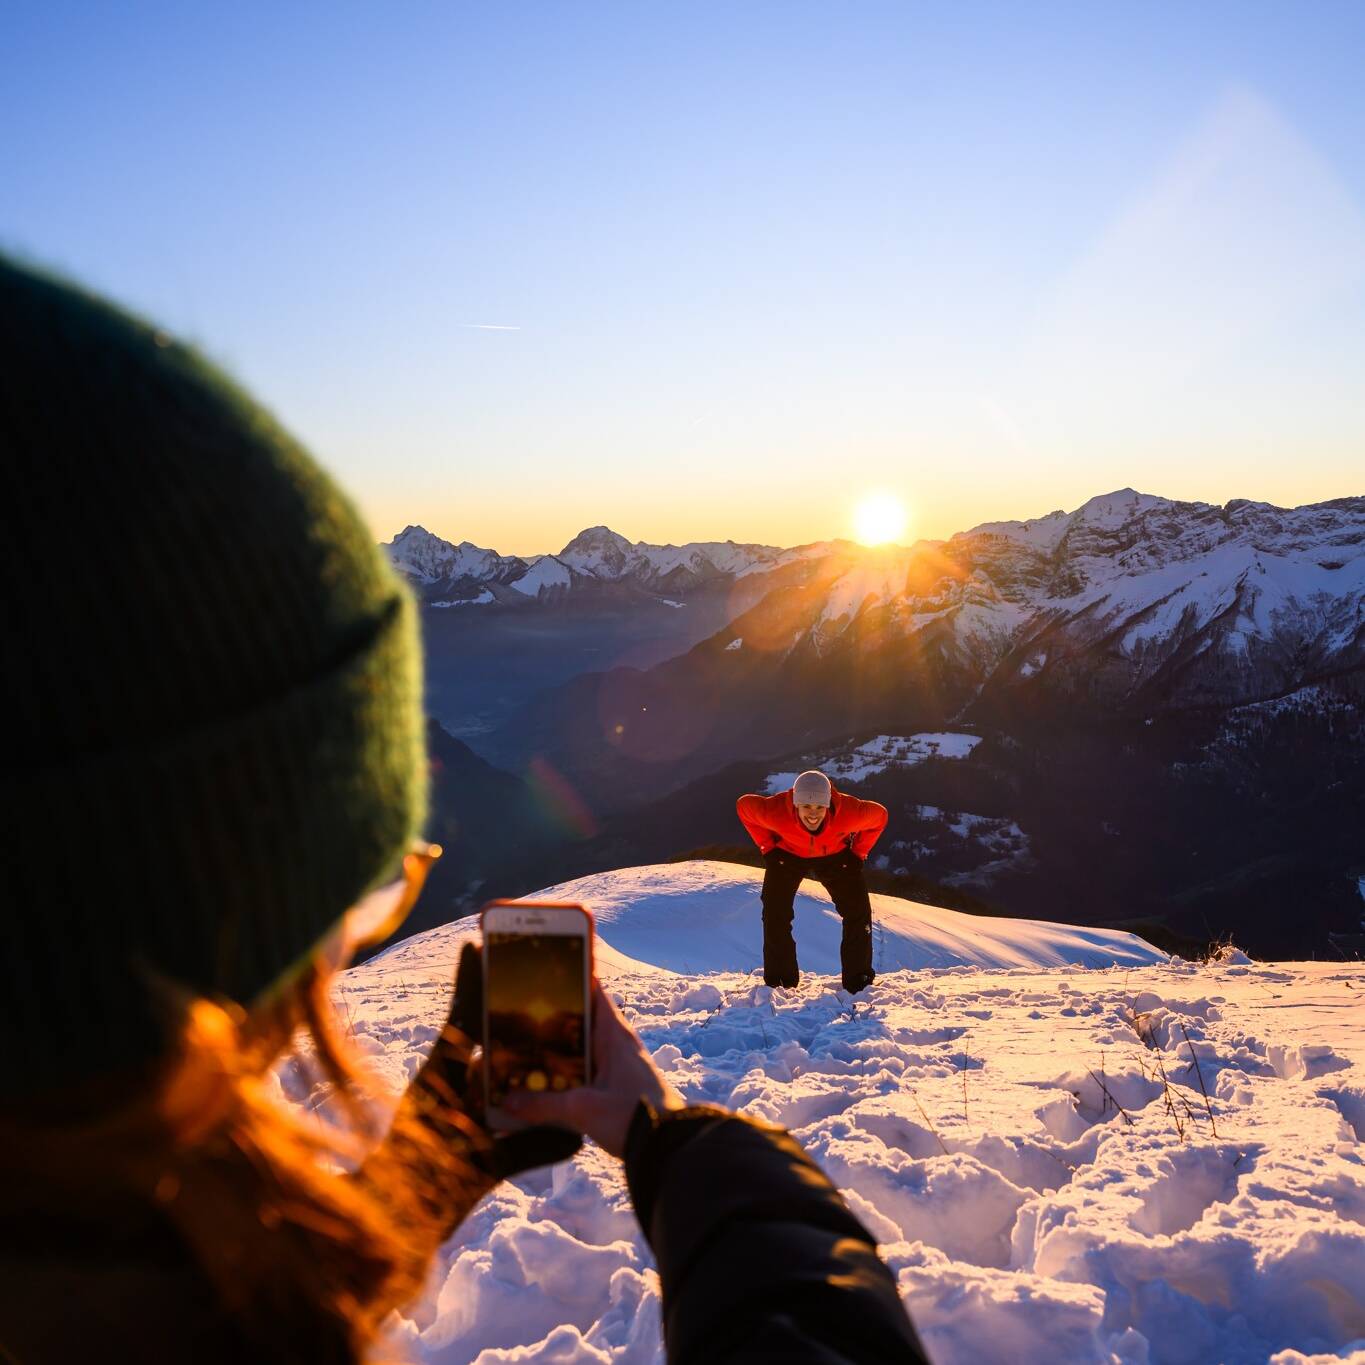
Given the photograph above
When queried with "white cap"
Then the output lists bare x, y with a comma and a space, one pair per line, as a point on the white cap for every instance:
811, 789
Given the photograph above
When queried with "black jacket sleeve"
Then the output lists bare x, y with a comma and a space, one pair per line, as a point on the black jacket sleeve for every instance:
760, 1259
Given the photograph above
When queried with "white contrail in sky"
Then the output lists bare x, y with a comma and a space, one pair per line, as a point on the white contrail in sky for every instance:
490, 327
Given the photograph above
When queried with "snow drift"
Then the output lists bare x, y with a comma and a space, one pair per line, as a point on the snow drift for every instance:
702, 917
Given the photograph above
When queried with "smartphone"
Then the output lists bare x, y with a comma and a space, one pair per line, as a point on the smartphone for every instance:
537, 1026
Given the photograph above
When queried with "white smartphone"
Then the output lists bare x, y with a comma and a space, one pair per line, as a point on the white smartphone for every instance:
537, 1024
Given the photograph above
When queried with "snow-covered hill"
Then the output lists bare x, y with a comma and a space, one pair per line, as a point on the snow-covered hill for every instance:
700, 917
1030, 1142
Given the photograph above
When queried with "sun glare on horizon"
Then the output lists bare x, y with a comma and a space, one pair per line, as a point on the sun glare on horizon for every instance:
879, 518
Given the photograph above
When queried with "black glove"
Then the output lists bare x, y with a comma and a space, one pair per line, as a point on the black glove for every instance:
773, 855
500, 1155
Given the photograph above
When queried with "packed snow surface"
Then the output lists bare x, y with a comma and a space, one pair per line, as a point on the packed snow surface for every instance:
1027, 1138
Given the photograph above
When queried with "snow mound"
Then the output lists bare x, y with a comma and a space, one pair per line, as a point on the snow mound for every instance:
704, 917
680, 919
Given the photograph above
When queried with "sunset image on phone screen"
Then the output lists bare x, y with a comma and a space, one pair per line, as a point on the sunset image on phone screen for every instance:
535, 1002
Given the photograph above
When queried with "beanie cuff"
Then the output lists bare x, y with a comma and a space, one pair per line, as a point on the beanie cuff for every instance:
243, 842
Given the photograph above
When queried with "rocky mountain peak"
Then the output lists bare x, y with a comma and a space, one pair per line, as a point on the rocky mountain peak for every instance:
414, 535
418, 553
430, 560
598, 552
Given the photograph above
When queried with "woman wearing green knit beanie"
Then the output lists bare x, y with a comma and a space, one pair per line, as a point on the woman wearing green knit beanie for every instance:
214, 702
214, 782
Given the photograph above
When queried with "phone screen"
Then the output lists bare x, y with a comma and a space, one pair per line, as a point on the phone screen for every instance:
534, 996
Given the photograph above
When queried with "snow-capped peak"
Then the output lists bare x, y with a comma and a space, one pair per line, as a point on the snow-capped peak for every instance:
415, 543
596, 555
603, 554
1114, 509
546, 572
1183, 600
430, 560
1105, 511
598, 552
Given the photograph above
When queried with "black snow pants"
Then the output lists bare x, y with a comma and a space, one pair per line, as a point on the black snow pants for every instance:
841, 874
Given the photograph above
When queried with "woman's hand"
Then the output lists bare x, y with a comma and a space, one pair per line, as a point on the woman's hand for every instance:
448, 1091
623, 1075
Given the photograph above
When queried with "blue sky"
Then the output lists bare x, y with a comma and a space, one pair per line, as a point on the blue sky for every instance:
752, 261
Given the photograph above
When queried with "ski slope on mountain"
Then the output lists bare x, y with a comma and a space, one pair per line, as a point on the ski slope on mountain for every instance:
1028, 1138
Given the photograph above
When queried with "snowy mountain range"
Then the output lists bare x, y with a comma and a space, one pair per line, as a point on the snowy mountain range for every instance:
447, 574
1129, 601
1170, 698
1129, 606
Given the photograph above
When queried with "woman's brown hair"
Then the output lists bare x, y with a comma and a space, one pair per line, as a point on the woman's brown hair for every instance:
305, 1240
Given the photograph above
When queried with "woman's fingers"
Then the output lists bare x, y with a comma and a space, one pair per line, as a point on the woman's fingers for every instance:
584, 1110
624, 1074
566, 1109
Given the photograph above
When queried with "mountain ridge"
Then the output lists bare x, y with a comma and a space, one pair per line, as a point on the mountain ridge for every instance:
1124, 661
439, 568
993, 579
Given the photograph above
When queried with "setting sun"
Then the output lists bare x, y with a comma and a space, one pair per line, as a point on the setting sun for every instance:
539, 1009
878, 518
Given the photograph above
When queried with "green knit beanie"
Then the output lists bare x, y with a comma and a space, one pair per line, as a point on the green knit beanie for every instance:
211, 691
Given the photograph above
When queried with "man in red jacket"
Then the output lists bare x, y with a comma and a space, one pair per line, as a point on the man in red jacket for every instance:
814, 831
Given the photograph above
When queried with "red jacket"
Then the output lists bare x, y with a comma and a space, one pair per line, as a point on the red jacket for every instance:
772, 822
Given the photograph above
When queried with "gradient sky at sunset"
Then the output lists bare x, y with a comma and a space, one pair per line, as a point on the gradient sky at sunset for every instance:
710, 270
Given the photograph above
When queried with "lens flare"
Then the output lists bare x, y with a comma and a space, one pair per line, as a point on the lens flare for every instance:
558, 799
879, 518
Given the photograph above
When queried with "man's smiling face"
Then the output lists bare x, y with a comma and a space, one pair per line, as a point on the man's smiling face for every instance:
812, 816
